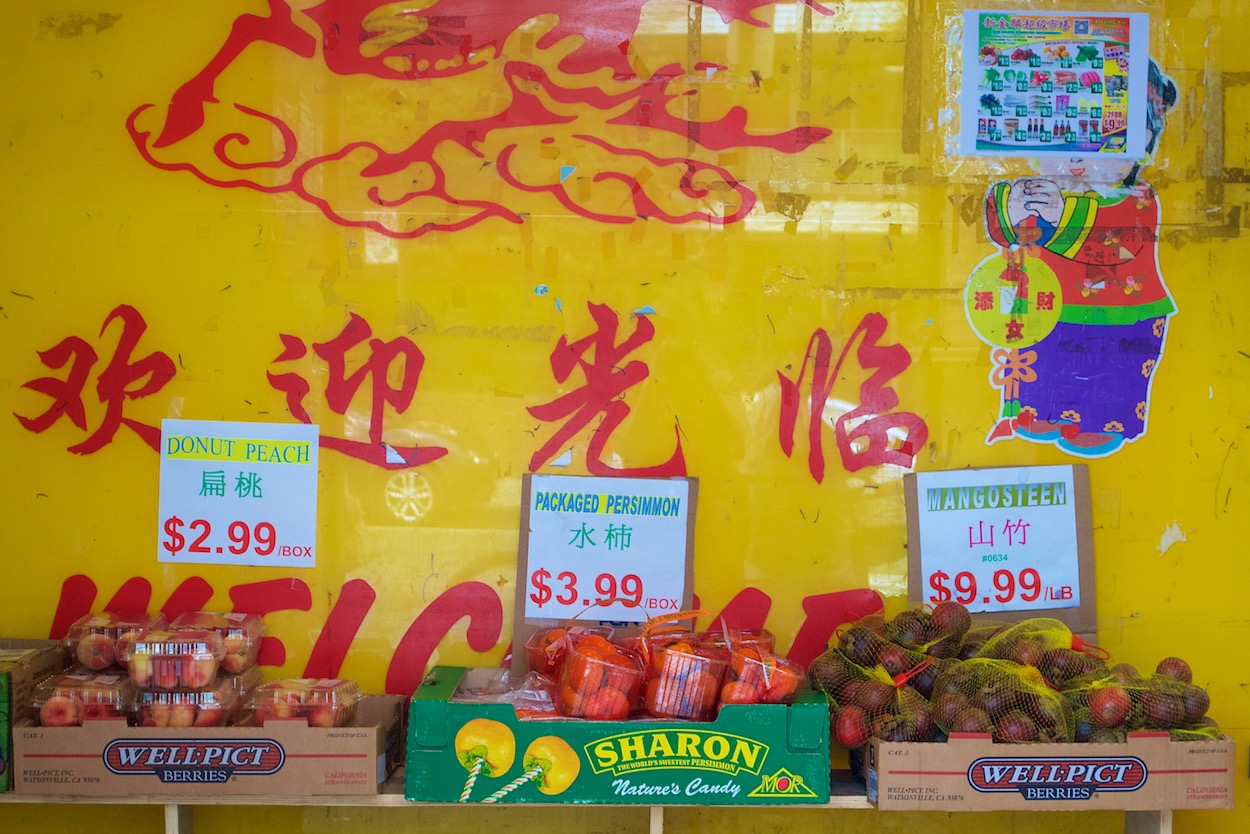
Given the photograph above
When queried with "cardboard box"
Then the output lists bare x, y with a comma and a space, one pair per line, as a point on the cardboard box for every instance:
971, 773
769, 754
283, 758
23, 663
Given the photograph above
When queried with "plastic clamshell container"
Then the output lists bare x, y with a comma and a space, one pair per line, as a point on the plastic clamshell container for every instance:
167, 660
600, 681
322, 702
213, 707
735, 638
652, 645
243, 684
757, 676
241, 633
98, 640
546, 648
685, 683
68, 700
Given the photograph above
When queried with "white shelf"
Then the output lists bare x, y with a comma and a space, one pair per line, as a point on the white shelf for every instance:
847, 795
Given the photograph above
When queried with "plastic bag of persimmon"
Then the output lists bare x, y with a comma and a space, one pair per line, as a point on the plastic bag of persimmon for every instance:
600, 680
546, 648
726, 639
756, 673
685, 670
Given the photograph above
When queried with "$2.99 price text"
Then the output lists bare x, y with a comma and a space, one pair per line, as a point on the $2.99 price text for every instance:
1027, 585
564, 590
260, 538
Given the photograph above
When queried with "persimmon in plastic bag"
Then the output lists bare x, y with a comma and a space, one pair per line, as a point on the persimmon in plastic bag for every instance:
1011, 702
685, 682
600, 680
726, 640
757, 676
546, 648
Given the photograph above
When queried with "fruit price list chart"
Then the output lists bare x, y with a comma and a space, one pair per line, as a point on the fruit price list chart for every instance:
1037, 84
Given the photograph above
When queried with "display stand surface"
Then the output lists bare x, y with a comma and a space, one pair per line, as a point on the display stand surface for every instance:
847, 795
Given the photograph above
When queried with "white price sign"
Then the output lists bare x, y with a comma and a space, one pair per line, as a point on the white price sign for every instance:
238, 493
592, 540
1003, 539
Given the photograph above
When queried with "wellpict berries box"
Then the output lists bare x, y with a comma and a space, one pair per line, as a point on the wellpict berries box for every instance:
1149, 772
285, 757
750, 754
23, 663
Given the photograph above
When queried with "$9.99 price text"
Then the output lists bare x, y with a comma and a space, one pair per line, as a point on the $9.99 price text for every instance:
1008, 587
563, 589
197, 537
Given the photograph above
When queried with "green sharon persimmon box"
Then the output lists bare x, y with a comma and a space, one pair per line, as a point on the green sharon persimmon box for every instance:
757, 754
23, 663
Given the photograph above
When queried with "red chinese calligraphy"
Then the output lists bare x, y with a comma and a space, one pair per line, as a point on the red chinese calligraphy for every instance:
342, 388
864, 433
122, 379
607, 377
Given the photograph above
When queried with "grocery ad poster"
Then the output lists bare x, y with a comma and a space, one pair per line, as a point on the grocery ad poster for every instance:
1038, 84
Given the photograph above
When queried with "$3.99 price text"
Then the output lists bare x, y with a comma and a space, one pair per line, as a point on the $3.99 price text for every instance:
1027, 585
260, 538
565, 590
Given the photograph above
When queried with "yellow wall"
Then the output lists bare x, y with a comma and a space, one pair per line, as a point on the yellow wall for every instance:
876, 218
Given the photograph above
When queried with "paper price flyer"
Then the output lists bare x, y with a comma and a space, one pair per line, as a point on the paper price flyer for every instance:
1053, 84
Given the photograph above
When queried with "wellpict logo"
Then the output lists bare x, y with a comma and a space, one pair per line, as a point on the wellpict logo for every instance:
1057, 778
194, 760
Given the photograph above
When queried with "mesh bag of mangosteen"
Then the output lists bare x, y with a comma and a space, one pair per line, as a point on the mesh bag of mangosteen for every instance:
868, 701
1125, 701
978, 633
1012, 703
937, 631
886, 712
868, 643
1049, 645
1206, 730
